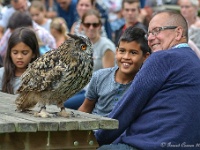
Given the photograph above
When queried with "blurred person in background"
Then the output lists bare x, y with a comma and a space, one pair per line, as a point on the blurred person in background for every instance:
67, 10
82, 7
105, 19
51, 10
155, 3
15, 5
130, 12
104, 48
37, 11
189, 9
23, 19
59, 30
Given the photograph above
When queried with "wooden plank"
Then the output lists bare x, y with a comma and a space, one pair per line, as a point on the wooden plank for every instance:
6, 127
104, 122
21, 125
55, 123
43, 124
6, 96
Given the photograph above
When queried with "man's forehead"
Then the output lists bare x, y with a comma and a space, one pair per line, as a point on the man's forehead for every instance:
135, 5
158, 20
161, 17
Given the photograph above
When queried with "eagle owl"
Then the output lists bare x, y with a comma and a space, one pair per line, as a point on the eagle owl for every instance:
56, 76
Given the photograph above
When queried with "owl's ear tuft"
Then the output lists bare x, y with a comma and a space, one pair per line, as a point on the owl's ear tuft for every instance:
72, 36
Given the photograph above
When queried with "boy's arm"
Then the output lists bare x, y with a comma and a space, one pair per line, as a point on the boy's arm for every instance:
87, 106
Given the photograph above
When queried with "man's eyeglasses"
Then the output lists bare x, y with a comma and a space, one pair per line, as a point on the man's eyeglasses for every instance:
95, 25
157, 30
185, 6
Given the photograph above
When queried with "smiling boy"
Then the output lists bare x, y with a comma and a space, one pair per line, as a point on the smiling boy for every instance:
108, 85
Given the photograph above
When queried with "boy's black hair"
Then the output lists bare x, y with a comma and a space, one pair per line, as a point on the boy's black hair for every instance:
138, 35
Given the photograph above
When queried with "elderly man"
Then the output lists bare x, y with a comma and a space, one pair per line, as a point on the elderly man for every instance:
161, 107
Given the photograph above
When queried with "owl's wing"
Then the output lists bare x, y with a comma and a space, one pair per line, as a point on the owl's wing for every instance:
44, 73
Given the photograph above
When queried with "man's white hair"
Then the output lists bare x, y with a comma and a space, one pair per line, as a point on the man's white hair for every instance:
194, 3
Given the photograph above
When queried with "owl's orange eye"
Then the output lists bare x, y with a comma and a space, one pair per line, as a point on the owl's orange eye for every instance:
83, 47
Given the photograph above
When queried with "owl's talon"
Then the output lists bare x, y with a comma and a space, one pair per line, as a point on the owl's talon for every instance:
43, 113
63, 113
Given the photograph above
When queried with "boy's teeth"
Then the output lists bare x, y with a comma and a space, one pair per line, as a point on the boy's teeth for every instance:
126, 64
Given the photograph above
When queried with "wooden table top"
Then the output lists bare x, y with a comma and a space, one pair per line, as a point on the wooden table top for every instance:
13, 121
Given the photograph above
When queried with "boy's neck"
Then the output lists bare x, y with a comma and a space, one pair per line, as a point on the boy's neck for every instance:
123, 78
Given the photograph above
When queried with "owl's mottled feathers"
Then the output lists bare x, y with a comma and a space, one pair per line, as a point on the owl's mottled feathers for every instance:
57, 75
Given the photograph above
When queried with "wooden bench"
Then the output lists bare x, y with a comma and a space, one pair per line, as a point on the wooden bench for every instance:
23, 131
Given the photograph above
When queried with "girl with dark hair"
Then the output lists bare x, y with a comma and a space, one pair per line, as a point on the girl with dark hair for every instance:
22, 49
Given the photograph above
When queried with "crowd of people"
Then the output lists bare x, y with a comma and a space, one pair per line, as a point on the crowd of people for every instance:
146, 64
